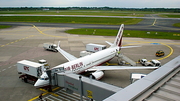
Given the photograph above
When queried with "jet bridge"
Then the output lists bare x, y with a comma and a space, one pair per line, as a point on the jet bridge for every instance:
87, 87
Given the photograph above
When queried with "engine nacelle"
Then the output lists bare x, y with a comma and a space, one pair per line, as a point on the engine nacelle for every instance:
97, 75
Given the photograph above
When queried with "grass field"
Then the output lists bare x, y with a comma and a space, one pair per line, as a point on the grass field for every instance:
170, 15
4, 26
82, 12
176, 24
93, 12
80, 20
127, 33
93, 20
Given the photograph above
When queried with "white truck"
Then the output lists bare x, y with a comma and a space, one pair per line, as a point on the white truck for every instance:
154, 63
30, 70
136, 76
95, 47
50, 46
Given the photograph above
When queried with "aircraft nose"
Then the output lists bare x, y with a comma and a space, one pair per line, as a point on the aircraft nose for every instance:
37, 84
41, 83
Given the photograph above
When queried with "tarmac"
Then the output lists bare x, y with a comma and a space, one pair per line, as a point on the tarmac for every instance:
26, 43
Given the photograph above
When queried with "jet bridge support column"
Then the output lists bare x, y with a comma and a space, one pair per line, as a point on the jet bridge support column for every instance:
90, 88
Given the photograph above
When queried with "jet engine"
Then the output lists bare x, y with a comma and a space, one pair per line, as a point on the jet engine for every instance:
97, 75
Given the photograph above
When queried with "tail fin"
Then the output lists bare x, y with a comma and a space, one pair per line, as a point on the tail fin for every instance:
118, 40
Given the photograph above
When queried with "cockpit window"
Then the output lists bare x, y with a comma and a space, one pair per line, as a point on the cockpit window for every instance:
44, 78
41, 78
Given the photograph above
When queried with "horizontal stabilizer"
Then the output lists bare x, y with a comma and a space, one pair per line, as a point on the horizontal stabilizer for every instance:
109, 43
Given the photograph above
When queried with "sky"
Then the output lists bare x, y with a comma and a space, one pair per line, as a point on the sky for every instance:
92, 3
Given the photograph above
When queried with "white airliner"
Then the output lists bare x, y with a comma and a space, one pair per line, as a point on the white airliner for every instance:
91, 62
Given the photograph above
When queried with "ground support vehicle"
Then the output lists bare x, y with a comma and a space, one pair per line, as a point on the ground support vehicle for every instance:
95, 47
30, 71
154, 63
142, 61
160, 53
92, 48
136, 76
50, 46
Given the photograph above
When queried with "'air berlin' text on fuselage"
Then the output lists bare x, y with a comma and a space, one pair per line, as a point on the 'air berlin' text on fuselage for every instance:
74, 66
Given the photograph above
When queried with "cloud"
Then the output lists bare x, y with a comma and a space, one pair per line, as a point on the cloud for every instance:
91, 3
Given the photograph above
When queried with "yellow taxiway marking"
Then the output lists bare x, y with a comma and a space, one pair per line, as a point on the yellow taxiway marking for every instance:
37, 97
46, 92
154, 22
107, 64
170, 53
41, 32
16, 41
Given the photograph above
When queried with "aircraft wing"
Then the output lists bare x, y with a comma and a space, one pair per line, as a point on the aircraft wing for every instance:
118, 68
68, 56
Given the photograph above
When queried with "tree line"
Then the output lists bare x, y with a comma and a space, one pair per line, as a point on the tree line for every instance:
174, 10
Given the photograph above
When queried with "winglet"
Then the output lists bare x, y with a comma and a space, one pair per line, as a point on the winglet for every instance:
58, 47
118, 40
68, 56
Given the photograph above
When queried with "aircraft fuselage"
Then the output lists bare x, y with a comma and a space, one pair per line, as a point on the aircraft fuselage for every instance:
81, 64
